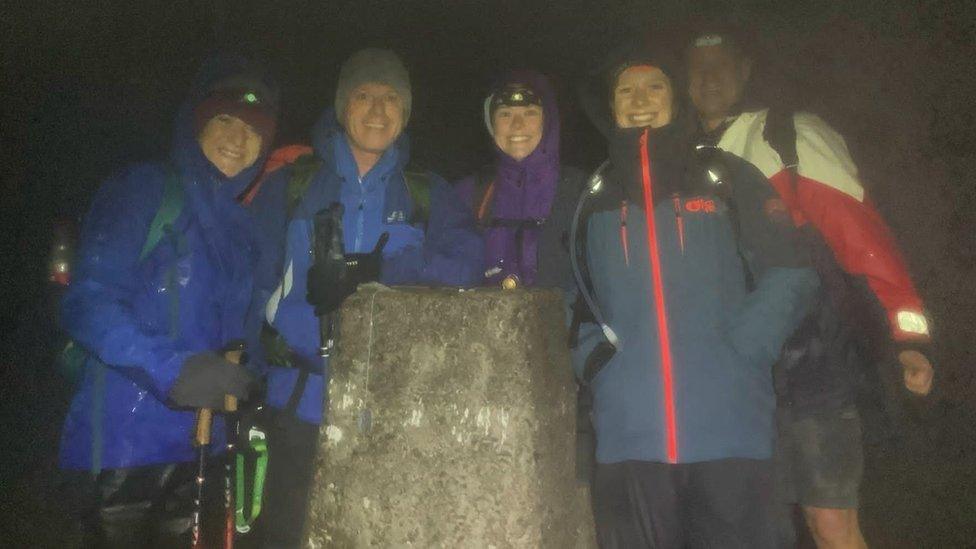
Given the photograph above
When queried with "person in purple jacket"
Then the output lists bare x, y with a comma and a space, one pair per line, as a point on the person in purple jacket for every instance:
524, 200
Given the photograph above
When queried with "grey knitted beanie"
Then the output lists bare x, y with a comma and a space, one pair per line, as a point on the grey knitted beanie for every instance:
373, 65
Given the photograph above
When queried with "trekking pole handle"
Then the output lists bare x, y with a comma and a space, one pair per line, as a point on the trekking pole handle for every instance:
230, 401
205, 415
204, 422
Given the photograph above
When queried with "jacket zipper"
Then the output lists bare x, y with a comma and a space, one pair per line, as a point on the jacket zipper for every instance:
661, 313
623, 232
679, 221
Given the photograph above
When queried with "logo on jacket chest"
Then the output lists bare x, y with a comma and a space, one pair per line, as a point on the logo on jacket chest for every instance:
396, 216
700, 204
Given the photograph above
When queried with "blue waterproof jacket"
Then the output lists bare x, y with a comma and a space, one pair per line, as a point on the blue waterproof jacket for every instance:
140, 320
448, 251
691, 378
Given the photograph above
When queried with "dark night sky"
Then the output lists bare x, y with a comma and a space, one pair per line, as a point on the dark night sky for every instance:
87, 86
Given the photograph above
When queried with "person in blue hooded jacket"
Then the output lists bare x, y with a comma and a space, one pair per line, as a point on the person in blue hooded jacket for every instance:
361, 154
153, 313
697, 285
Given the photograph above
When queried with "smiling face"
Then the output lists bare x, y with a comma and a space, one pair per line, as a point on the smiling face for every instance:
518, 130
642, 97
373, 119
717, 76
230, 144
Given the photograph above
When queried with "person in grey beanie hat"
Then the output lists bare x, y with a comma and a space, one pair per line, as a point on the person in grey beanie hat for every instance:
372, 103
374, 65
399, 228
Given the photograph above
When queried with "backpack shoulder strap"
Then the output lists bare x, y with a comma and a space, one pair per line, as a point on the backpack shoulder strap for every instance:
169, 210
418, 185
483, 197
303, 169
780, 133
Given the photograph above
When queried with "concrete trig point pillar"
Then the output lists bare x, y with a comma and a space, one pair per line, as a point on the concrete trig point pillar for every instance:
450, 423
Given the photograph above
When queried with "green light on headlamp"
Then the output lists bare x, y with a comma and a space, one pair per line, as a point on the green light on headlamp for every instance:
250, 97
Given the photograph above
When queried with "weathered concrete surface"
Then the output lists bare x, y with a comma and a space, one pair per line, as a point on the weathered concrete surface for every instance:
450, 424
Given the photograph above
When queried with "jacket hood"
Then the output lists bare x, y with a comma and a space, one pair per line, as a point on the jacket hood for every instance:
594, 91
186, 152
524, 189
549, 145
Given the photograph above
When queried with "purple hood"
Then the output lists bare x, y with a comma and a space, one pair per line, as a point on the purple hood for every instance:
521, 196
524, 189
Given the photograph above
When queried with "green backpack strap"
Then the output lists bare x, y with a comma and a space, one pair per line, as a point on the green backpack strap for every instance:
418, 185
73, 358
303, 169
169, 210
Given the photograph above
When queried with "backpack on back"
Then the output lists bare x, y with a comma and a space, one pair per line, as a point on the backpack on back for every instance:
304, 168
822, 362
71, 360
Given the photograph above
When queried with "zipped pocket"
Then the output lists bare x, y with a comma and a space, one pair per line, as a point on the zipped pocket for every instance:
679, 222
623, 232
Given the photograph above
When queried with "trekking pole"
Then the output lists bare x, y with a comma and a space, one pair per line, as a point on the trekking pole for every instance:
328, 246
202, 441
230, 406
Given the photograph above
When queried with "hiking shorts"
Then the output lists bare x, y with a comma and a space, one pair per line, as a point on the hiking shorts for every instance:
820, 458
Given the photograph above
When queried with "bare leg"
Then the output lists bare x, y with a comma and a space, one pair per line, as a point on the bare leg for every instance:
834, 528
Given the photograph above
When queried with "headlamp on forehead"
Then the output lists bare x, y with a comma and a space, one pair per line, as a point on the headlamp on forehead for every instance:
514, 95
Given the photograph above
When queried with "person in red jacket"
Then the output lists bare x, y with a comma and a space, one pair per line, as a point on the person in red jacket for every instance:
822, 445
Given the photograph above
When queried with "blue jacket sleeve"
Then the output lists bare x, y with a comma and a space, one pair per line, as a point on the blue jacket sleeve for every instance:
270, 217
785, 282
772, 312
97, 310
452, 253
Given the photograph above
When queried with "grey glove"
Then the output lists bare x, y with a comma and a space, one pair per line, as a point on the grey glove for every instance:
206, 378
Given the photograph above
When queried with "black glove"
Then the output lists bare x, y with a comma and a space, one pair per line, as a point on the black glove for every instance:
206, 378
333, 279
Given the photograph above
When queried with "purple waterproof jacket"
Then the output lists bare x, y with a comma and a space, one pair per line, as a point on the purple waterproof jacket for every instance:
514, 200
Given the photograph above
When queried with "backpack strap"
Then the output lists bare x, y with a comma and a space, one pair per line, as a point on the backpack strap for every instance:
162, 225
169, 210
303, 169
780, 133
418, 186
484, 195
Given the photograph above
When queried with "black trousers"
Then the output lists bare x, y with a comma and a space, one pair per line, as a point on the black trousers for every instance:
291, 454
147, 506
726, 504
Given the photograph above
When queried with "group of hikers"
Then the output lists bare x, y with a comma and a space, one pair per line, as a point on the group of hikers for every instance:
720, 254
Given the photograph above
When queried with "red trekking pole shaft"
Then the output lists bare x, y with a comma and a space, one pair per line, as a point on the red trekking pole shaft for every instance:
202, 442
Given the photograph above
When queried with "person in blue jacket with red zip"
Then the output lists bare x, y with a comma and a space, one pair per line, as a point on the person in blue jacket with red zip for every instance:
163, 284
360, 158
697, 288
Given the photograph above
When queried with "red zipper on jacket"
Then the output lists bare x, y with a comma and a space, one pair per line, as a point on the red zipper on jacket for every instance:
661, 313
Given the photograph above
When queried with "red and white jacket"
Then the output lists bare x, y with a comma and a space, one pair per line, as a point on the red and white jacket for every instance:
829, 195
